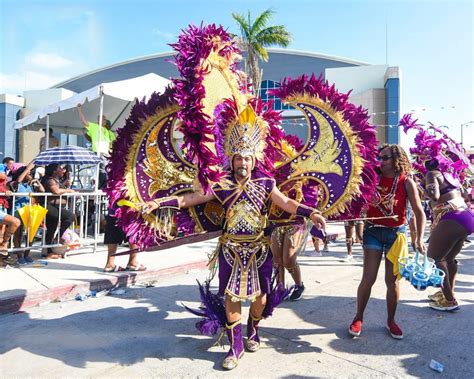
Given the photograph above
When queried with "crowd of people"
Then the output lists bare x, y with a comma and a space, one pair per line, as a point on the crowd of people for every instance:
23, 180
54, 179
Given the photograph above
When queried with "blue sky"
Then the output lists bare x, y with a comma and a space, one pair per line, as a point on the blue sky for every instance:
46, 41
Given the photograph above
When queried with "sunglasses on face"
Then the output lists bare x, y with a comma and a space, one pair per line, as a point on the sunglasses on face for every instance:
384, 157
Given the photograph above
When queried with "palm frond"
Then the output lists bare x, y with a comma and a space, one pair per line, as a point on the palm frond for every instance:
274, 35
244, 26
262, 21
260, 51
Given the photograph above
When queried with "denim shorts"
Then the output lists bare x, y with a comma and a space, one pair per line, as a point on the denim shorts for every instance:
2, 215
380, 238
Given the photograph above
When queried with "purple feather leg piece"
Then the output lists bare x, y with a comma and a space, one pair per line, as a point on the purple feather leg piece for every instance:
211, 310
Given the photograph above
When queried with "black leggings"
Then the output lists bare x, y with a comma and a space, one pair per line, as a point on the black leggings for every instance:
52, 218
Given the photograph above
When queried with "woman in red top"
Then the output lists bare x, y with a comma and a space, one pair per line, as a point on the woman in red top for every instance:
390, 199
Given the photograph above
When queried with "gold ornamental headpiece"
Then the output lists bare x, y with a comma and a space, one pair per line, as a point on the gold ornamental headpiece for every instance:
246, 136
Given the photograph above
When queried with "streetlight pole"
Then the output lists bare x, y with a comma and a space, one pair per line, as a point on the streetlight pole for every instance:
462, 130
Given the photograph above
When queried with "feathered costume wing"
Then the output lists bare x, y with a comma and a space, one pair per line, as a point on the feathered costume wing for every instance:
432, 143
147, 163
340, 150
332, 169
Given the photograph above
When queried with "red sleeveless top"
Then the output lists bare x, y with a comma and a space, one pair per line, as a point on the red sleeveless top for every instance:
390, 199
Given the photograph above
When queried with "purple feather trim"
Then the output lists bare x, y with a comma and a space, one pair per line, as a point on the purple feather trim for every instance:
211, 310
193, 47
357, 117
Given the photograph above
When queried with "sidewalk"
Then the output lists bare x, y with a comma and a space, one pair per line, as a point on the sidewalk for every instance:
24, 287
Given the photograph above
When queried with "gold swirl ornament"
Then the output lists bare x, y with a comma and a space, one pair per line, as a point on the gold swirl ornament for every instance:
322, 156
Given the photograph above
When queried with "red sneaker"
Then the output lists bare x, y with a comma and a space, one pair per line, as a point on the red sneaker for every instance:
355, 328
394, 330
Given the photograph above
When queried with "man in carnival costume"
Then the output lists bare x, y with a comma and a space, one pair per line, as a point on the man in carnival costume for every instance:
222, 180
245, 263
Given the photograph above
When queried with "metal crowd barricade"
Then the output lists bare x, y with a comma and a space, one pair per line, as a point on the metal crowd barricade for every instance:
88, 208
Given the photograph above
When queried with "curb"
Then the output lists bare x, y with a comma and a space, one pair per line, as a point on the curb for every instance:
20, 303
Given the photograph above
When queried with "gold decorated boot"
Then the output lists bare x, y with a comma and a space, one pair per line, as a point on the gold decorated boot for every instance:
234, 333
253, 340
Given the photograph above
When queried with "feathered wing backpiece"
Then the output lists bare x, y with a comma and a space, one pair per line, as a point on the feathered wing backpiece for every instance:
145, 164
432, 143
340, 152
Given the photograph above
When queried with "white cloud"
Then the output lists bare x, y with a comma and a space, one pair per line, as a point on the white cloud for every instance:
164, 35
30, 80
47, 60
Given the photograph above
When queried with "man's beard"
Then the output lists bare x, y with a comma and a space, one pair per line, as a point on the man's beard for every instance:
242, 172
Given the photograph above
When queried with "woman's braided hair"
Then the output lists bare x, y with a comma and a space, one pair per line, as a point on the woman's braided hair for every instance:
400, 158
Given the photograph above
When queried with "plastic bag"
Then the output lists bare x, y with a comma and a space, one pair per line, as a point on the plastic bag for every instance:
71, 239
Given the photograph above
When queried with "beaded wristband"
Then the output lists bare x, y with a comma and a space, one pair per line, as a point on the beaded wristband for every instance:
306, 211
168, 202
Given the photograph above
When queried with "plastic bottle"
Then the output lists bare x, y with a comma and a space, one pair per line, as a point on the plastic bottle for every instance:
435, 365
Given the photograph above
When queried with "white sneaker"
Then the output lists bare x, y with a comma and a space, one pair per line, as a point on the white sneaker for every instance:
314, 254
348, 258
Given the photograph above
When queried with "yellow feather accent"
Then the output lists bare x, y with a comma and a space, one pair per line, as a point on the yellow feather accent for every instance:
247, 116
126, 203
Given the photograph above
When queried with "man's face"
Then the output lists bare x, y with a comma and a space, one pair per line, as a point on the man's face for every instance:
242, 165
104, 120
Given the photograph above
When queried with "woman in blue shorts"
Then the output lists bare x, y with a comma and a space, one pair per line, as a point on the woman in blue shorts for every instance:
386, 229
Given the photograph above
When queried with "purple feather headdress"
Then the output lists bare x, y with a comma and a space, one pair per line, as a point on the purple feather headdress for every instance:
432, 143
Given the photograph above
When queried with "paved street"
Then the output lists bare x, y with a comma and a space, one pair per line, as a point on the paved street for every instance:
147, 333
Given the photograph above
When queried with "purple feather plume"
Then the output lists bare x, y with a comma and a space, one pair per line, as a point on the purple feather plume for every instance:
193, 47
433, 143
131, 221
211, 310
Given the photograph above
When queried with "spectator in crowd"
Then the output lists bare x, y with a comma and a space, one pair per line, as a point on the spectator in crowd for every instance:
56, 208
113, 237
23, 182
8, 224
93, 130
385, 233
8, 162
53, 141
4, 200
107, 136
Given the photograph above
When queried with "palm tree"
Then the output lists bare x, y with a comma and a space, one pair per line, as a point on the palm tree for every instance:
255, 37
